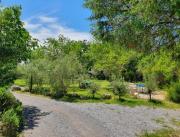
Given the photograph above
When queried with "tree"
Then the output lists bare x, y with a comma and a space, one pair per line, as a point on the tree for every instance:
113, 60
63, 71
144, 25
35, 72
103, 14
151, 84
161, 64
119, 87
14, 43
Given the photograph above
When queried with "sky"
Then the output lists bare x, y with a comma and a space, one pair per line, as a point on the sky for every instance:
50, 18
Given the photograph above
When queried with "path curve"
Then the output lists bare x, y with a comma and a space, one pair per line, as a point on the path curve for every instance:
49, 118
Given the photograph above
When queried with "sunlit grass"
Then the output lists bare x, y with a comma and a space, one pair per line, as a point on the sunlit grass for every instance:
20, 82
86, 96
162, 133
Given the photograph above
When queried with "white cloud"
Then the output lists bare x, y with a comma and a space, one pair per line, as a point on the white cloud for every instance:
43, 27
46, 19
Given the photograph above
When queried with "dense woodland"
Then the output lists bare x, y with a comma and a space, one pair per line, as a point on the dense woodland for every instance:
134, 41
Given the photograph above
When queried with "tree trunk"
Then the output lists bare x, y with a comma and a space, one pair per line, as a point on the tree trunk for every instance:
31, 84
150, 95
93, 95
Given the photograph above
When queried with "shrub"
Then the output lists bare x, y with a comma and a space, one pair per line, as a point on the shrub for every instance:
107, 96
174, 92
93, 89
41, 90
11, 122
119, 88
11, 111
85, 84
10, 118
73, 95
7, 100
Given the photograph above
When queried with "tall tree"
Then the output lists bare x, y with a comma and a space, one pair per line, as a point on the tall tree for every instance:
14, 42
145, 25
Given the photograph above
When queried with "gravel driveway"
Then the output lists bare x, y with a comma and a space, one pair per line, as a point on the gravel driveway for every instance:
49, 118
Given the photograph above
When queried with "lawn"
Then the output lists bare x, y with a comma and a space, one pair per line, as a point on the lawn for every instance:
104, 88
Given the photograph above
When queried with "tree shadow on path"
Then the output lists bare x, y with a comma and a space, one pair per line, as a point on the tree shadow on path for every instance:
32, 115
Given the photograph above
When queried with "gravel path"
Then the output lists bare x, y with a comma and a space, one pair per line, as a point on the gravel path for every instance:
49, 118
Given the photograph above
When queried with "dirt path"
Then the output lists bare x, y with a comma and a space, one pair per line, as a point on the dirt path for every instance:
49, 118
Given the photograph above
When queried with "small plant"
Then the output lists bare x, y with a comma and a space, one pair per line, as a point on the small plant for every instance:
93, 89
174, 92
119, 88
73, 95
151, 84
85, 84
107, 96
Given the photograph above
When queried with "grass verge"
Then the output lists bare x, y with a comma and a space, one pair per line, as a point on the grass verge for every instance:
162, 133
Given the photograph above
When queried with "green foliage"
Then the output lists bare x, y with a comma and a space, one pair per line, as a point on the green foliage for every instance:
14, 43
161, 64
107, 96
151, 83
85, 84
34, 72
119, 88
10, 119
11, 122
93, 89
20, 82
174, 92
142, 25
7, 100
162, 133
112, 61
65, 70
40, 90
11, 113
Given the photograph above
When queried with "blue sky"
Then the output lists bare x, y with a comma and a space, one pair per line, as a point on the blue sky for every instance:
49, 18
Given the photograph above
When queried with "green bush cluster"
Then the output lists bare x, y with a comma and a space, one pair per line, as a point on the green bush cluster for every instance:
11, 113
85, 84
174, 92
46, 91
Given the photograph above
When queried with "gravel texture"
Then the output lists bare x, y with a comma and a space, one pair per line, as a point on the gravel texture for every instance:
49, 118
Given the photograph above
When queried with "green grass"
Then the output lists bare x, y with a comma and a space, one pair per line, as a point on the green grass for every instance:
20, 82
126, 101
175, 122
86, 96
162, 133
159, 120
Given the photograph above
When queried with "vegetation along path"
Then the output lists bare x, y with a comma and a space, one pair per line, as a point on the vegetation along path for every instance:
49, 118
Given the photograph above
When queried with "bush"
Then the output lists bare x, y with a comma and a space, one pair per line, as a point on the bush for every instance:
73, 95
85, 84
7, 100
93, 89
11, 122
41, 91
10, 118
11, 113
107, 96
174, 92
119, 88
